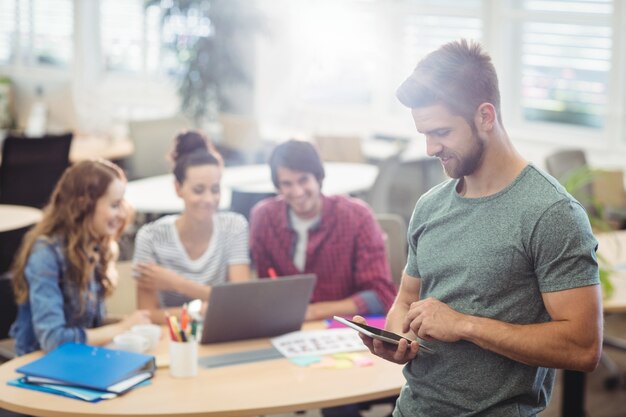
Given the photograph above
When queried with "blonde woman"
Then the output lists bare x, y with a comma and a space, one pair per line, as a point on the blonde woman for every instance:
64, 267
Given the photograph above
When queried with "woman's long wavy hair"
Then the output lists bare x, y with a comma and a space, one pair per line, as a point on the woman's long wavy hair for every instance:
69, 215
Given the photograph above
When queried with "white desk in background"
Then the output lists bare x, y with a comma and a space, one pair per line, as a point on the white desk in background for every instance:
377, 150
89, 146
156, 195
14, 217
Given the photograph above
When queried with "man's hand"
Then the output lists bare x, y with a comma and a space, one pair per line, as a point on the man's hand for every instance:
430, 319
154, 277
401, 353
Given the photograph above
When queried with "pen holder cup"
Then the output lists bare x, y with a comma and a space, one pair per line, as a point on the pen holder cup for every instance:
183, 359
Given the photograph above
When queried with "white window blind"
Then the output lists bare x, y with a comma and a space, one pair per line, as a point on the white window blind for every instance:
566, 60
7, 30
428, 24
36, 32
122, 35
135, 39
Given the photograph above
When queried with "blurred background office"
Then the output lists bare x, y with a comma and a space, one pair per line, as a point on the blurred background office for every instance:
122, 77
253, 70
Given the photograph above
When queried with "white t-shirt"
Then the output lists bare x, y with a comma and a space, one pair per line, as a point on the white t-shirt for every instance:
160, 243
301, 226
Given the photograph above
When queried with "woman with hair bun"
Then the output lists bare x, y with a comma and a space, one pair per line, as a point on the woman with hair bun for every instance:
179, 257
66, 263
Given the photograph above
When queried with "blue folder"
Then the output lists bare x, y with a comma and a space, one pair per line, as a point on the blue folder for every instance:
96, 368
76, 393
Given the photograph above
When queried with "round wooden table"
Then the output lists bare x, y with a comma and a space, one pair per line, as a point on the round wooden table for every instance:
15, 217
251, 389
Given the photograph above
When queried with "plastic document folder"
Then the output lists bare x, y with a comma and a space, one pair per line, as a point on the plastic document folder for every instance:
95, 368
84, 394
76, 393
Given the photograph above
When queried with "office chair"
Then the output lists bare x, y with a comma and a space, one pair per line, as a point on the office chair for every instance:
570, 168
240, 139
243, 200
10, 242
610, 194
396, 244
153, 140
400, 183
31, 168
123, 301
336, 148
8, 312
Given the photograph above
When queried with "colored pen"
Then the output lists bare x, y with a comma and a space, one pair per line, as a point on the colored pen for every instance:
176, 328
272, 273
194, 328
169, 326
184, 318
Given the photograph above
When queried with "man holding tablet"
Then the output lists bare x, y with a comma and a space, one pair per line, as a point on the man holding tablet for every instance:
502, 279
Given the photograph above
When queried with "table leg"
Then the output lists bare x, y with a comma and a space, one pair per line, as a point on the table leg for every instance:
573, 403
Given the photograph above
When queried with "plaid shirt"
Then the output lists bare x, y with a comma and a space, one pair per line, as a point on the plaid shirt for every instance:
345, 250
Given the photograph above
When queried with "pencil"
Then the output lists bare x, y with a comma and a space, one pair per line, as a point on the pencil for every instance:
169, 326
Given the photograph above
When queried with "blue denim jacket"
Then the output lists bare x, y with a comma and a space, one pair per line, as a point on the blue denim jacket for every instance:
52, 313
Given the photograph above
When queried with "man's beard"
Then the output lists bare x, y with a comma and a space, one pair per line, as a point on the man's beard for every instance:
467, 164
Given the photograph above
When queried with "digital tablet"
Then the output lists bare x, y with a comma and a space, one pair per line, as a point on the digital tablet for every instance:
376, 333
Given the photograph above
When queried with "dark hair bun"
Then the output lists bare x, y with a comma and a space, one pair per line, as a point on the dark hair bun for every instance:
188, 142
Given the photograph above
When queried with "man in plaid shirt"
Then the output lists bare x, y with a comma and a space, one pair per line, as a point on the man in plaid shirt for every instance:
335, 237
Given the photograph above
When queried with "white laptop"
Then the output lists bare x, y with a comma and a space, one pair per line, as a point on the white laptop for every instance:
258, 308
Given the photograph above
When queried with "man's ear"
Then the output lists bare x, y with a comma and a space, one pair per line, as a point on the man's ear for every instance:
485, 117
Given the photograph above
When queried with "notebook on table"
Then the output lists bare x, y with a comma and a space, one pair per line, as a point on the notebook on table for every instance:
258, 308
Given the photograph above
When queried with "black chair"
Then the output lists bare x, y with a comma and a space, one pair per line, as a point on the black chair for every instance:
8, 312
31, 168
8, 309
10, 241
243, 200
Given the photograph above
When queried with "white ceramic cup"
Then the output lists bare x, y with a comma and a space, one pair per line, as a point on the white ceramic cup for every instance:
131, 342
183, 359
152, 332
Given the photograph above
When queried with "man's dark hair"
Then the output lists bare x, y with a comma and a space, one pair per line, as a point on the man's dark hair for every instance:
296, 155
459, 75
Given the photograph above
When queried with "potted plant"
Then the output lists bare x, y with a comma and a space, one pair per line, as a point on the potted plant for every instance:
578, 183
212, 42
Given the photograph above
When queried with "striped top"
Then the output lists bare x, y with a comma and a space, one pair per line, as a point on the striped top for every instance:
160, 243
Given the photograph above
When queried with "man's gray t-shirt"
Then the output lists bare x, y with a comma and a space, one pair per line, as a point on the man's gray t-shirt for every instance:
492, 257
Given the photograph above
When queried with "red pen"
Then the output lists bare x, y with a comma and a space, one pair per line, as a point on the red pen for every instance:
184, 318
272, 273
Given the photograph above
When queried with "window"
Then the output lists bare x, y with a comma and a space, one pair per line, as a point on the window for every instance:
122, 28
346, 58
565, 60
136, 38
36, 32
7, 30
428, 24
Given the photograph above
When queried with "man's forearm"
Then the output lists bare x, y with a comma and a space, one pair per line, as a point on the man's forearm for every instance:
550, 344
